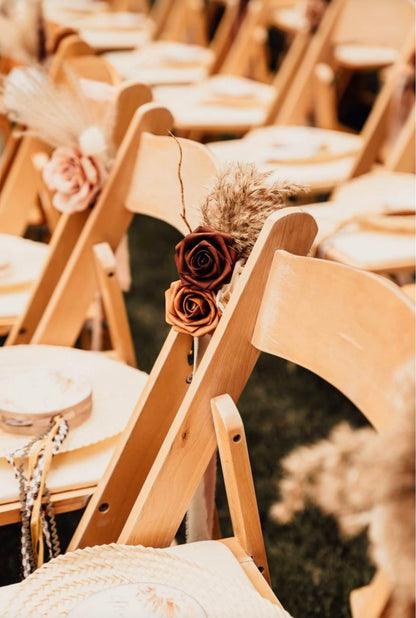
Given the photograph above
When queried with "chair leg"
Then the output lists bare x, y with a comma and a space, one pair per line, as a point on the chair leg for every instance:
238, 480
113, 301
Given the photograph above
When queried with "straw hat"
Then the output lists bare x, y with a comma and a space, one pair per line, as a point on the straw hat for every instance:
167, 585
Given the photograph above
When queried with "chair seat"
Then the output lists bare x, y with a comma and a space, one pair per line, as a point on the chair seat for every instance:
21, 262
106, 40
12, 306
395, 190
163, 63
370, 194
371, 250
316, 158
86, 451
364, 57
226, 103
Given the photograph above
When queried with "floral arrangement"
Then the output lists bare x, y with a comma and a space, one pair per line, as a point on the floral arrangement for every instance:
76, 120
210, 258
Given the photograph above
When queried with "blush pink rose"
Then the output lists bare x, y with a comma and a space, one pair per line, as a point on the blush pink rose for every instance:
75, 179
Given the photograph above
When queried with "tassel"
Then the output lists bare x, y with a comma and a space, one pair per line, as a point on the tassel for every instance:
36, 529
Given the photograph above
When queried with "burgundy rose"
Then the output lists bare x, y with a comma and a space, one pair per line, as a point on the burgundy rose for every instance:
205, 258
75, 178
190, 310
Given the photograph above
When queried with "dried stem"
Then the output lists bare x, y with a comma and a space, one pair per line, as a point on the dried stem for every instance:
183, 213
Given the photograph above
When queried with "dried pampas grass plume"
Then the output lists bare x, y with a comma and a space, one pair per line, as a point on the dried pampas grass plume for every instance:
366, 480
240, 202
60, 115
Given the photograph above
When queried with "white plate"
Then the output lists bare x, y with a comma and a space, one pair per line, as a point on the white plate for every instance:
181, 54
294, 151
233, 88
5, 265
42, 391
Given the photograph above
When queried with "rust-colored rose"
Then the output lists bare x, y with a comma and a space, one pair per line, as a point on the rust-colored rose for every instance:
75, 178
191, 310
205, 258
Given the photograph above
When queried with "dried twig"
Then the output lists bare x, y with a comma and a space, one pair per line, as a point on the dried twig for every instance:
183, 213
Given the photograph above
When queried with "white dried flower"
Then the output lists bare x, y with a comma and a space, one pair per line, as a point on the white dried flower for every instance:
224, 293
92, 142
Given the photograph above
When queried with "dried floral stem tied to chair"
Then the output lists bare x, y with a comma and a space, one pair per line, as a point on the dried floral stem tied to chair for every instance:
210, 258
77, 121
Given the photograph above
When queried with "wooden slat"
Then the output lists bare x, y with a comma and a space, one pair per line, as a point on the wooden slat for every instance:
238, 480
63, 502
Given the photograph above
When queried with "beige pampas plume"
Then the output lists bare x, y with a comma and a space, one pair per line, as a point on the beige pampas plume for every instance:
240, 202
366, 480
59, 115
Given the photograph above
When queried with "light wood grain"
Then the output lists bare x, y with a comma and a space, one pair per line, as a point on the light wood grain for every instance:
113, 302
340, 340
238, 480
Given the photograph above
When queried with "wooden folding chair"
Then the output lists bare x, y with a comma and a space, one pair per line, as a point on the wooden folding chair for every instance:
52, 258
233, 101
320, 159
314, 313
183, 53
117, 204
344, 41
137, 186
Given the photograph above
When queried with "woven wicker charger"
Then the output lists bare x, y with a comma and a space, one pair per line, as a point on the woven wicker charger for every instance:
115, 390
60, 585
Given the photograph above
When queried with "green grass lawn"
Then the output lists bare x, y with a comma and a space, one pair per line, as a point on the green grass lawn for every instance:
283, 406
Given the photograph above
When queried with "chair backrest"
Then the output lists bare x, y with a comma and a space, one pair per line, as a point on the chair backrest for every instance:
248, 54
353, 329
189, 21
69, 227
133, 186
353, 27
149, 196
186, 22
